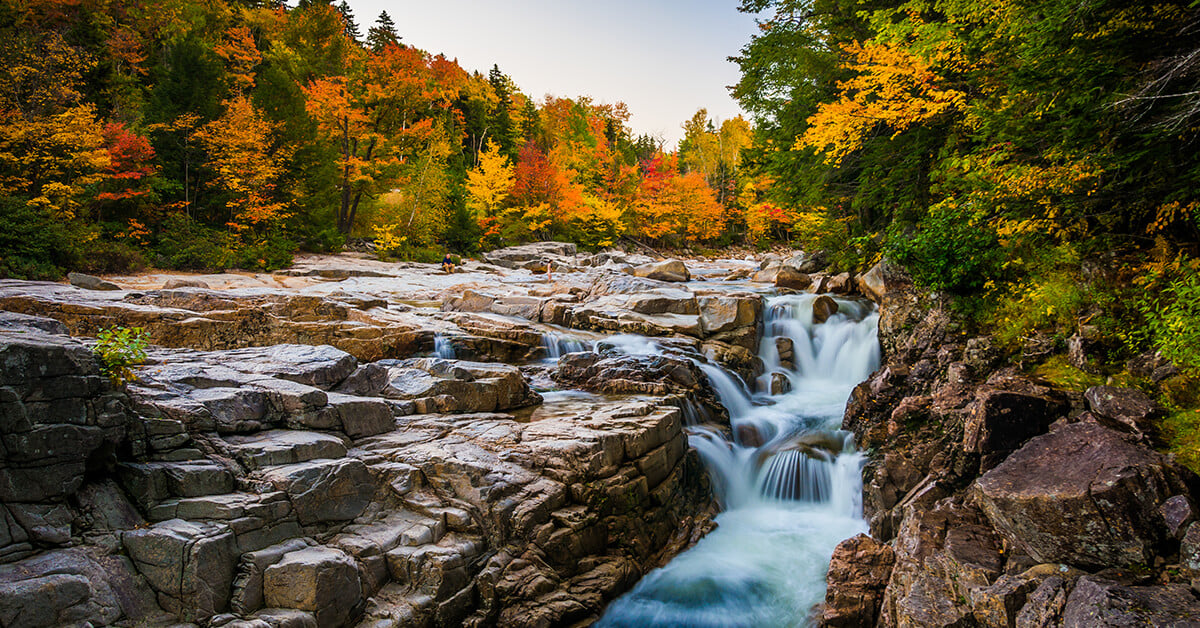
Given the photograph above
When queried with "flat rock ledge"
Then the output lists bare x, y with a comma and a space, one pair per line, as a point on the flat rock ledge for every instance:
293, 485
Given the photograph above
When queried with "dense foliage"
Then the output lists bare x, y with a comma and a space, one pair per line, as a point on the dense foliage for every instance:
217, 133
1035, 160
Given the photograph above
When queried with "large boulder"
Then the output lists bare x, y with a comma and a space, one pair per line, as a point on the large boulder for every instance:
1097, 602
438, 385
1082, 495
190, 565
719, 314
823, 307
90, 282
1006, 414
669, 270
858, 573
790, 277
322, 580
1124, 409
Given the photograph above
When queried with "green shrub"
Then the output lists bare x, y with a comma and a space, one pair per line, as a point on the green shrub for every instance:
32, 245
119, 349
183, 243
1173, 320
272, 251
108, 256
952, 250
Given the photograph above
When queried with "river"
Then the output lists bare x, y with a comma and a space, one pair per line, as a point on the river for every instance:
790, 482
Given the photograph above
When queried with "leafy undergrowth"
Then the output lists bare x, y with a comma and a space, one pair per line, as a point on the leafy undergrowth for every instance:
1181, 430
1059, 372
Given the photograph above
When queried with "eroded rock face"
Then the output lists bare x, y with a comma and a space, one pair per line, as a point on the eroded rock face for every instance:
1082, 495
1095, 602
293, 485
437, 385
858, 573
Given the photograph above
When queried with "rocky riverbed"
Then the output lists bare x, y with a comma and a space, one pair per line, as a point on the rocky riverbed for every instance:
353, 442
357, 442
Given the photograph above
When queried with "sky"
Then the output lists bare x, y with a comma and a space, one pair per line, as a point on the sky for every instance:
663, 58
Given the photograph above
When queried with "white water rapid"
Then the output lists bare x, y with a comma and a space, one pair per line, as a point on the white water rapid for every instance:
790, 485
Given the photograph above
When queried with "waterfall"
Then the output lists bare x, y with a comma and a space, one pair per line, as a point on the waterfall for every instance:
790, 485
442, 347
557, 345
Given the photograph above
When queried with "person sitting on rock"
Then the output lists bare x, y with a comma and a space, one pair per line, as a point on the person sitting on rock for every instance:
447, 264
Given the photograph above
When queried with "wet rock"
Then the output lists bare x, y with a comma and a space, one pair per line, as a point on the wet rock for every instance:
823, 307
720, 314
841, 283
1096, 602
780, 384
190, 565
321, 580
90, 282
858, 573
790, 277
1124, 409
1082, 495
669, 270
619, 373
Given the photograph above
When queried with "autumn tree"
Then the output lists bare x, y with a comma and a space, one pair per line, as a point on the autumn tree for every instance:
490, 183
247, 166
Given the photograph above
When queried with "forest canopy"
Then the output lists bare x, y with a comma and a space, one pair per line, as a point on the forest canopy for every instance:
207, 134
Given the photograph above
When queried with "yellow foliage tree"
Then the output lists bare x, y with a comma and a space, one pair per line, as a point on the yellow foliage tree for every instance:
893, 87
490, 183
53, 159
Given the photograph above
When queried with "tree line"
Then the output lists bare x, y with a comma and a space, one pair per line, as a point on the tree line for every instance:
210, 134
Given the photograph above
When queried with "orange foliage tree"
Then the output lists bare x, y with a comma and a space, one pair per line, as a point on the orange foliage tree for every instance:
380, 113
247, 166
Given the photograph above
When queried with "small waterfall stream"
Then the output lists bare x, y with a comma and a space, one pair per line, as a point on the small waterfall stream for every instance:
790, 484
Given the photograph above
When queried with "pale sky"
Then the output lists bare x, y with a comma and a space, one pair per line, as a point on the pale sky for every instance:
663, 58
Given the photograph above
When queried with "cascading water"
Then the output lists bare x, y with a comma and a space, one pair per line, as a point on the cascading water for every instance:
557, 345
442, 347
790, 483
